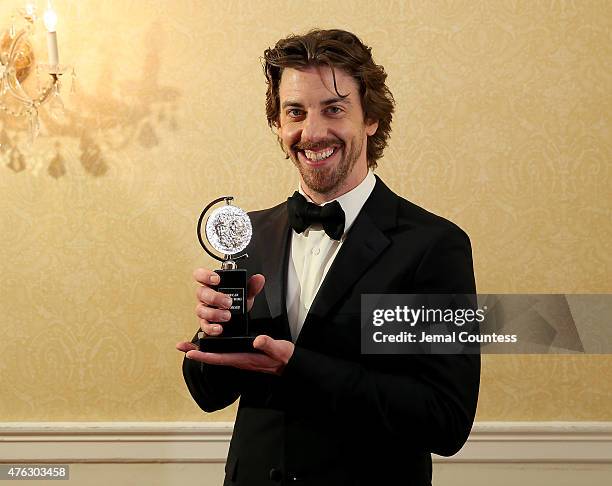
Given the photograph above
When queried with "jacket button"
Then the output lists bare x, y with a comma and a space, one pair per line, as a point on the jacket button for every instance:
276, 474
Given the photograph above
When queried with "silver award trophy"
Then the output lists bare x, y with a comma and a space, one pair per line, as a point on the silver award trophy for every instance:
229, 231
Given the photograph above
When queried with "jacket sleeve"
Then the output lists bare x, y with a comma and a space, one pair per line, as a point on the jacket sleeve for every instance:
212, 387
432, 398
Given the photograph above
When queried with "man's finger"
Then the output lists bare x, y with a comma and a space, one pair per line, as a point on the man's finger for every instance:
246, 361
185, 346
210, 328
223, 359
210, 358
206, 276
211, 297
212, 314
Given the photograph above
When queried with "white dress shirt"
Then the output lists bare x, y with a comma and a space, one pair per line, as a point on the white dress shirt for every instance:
313, 252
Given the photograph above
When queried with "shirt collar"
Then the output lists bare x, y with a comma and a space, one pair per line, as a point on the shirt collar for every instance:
352, 201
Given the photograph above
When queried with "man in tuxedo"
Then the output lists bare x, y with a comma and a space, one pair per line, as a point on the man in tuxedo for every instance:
313, 409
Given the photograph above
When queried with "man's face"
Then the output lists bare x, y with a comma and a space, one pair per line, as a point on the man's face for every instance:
324, 135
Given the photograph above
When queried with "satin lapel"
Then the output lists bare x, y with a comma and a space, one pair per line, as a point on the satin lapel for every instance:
274, 248
365, 242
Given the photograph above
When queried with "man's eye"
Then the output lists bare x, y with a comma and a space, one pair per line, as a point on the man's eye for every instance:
334, 110
294, 112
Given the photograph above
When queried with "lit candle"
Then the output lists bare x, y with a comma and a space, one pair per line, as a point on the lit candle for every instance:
50, 19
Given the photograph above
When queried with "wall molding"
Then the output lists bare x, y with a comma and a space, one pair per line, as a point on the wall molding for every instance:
208, 442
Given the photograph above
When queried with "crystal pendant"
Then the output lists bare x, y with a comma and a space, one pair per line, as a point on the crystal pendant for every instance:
56, 105
34, 124
57, 168
16, 161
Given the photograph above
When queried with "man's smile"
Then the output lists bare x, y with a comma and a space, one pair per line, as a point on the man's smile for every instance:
316, 155
320, 155
319, 158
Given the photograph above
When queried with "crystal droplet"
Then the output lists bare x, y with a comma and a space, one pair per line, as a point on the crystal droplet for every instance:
34, 124
56, 106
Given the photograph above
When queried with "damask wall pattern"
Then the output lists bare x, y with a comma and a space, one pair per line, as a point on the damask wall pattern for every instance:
502, 125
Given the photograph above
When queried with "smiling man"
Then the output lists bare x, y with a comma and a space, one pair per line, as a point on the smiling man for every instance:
314, 410
324, 134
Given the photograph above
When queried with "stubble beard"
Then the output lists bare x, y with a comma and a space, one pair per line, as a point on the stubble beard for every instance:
328, 180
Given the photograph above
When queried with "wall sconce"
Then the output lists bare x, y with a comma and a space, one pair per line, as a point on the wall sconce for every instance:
17, 61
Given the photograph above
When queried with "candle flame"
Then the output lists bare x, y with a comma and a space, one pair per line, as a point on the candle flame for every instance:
50, 18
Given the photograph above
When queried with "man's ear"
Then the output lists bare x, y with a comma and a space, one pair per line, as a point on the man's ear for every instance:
276, 125
371, 127
275, 129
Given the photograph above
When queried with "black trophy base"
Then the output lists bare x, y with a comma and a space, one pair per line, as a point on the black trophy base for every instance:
235, 337
230, 344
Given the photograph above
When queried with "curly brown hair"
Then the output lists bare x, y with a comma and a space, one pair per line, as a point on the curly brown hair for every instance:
336, 49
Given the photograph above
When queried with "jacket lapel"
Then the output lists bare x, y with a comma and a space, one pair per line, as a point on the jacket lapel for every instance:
364, 242
274, 246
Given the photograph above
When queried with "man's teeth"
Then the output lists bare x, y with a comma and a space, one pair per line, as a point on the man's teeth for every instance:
318, 155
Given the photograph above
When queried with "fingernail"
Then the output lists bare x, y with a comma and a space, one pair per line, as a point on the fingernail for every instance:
215, 279
217, 328
228, 302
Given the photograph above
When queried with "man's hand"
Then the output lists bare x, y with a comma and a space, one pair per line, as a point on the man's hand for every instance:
212, 308
276, 355
212, 311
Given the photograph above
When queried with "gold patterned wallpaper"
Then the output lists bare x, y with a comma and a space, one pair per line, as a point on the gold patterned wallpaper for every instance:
502, 125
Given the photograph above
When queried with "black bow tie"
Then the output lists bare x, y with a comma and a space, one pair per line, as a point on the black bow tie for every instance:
302, 214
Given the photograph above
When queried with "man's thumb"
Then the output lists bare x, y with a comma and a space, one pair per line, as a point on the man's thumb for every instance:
255, 285
267, 345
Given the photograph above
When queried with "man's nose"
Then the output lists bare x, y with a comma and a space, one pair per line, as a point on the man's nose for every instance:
314, 128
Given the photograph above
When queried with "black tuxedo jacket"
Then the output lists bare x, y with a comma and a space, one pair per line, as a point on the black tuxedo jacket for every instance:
337, 417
